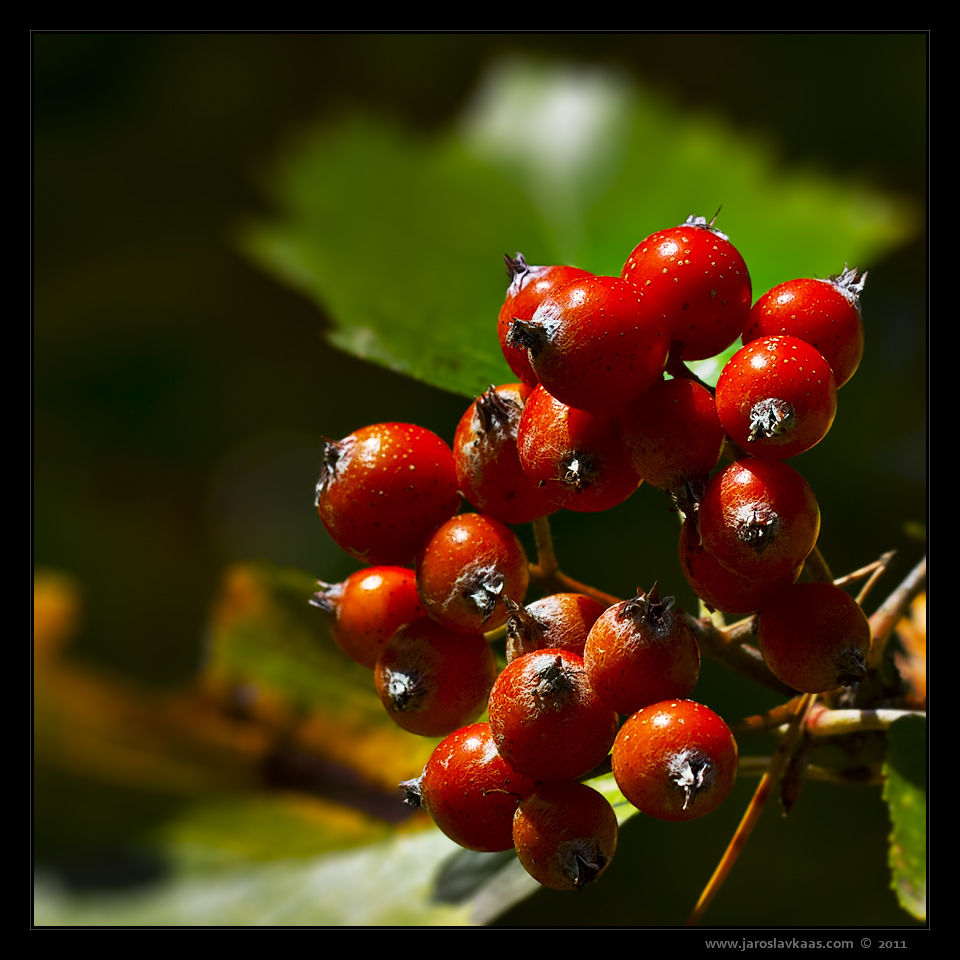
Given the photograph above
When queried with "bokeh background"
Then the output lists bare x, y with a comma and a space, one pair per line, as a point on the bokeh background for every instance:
183, 384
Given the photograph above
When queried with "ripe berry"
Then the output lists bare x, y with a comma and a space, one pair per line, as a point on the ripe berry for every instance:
367, 608
565, 835
640, 652
432, 680
720, 588
384, 489
675, 760
528, 287
576, 454
546, 720
487, 462
467, 569
672, 436
823, 313
814, 637
470, 791
759, 518
696, 283
777, 397
560, 621
594, 344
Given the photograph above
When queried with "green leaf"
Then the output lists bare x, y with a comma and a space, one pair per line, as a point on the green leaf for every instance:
906, 795
399, 239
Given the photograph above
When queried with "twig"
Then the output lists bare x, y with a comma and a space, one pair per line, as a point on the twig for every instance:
778, 764
886, 617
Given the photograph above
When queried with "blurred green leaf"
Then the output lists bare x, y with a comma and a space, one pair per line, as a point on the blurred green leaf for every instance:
399, 239
382, 884
906, 796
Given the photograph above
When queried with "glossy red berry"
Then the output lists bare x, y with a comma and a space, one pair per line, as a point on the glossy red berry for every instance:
528, 287
672, 436
823, 313
367, 608
640, 652
759, 518
433, 681
695, 282
594, 344
384, 489
675, 760
565, 835
575, 454
470, 791
546, 720
777, 397
814, 637
487, 461
466, 571
720, 588
560, 621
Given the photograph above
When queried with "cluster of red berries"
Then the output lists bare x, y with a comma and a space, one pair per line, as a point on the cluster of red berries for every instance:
590, 419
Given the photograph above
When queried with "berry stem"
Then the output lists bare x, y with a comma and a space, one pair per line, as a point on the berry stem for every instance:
816, 567
832, 723
778, 763
857, 776
546, 571
892, 610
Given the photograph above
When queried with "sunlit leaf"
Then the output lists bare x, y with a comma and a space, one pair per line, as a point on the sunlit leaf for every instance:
906, 796
399, 239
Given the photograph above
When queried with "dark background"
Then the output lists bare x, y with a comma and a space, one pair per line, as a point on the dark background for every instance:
180, 395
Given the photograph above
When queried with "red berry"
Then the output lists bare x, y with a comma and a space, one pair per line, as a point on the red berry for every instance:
470, 791
384, 489
759, 518
675, 760
720, 588
640, 652
432, 680
814, 637
565, 835
488, 465
672, 436
561, 621
594, 344
368, 607
575, 454
545, 718
467, 569
777, 397
528, 287
823, 313
696, 283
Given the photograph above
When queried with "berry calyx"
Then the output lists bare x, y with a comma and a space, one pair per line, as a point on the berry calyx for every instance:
594, 344
367, 608
823, 313
759, 518
528, 287
696, 283
384, 489
545, 718
565, 835
432, 680
640, 652
576, 454
488, 466
466, 571
675, 760
776, 397
470, 791
814, 637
